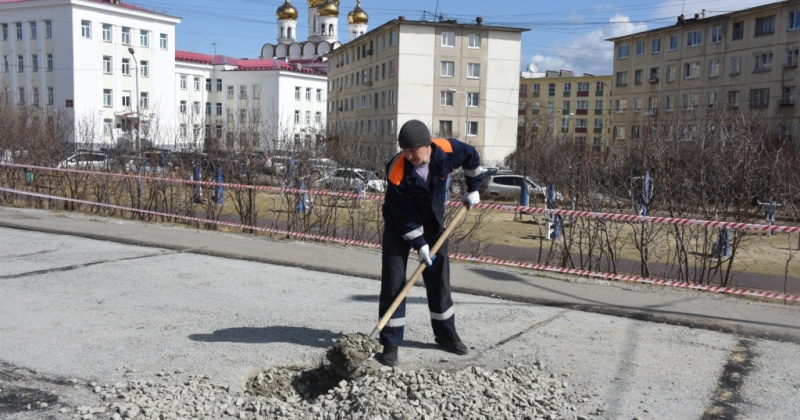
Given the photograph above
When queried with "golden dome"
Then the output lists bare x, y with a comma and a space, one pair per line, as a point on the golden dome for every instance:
358, 15
314, 3
329, 8
287, 11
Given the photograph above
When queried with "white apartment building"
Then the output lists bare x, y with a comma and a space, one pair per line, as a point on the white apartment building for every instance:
460, 79
91, 58
250, 104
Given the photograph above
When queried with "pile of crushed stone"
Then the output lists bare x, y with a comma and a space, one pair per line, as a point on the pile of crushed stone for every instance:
349, 353
515, 392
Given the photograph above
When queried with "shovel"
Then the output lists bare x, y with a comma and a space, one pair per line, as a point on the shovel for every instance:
351, 350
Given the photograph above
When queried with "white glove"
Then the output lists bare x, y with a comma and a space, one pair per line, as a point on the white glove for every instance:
470, 199
424, 254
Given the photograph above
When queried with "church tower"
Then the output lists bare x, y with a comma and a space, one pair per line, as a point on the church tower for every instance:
357, 21
287, 23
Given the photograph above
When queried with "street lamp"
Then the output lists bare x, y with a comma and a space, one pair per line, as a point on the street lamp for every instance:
466, 98
138, 100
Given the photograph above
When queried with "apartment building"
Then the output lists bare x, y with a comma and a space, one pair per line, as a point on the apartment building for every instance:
558, 105
92, 59
743, 60
460, 79
248, 104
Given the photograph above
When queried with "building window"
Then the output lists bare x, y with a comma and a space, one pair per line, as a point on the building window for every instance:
765, 25
208, 85
711, 100
392, 68
144, 100
144, 38
671, 73
107, 32
656, 48
34, 62
473, 70
5, 63
674, 40
652, 103
196, 107
308, 94
108, 98
445, 128
791, 57
297, 91
318, 117
623, 51
620, 105
640, 48
230, 93
794, 19
716, 34
691, 70
653, 75
447, 69
473, 99
448, 39
787, 95
49, 62
668, 104
108, 127
163, 41
713, 68
622, 78
219, 85
5, 32
242, 91
297, 117
759, 98
637, 76
582, 104
196, 83
49, 96
183, 82
33, 30
107, 64
472, 128
86, 29
144, 68
208, 108
393, 38
126, 98
20, 64
126, 35
694, 38
219, 109
474, 41
256, 91
446, 98
736, 65
21, 98
182, 107
18, 26
308, 118
738, 31
48, 29
126, 66
689, 101
762, 62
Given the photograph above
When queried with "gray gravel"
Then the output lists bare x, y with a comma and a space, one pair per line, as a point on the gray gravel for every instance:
514, 392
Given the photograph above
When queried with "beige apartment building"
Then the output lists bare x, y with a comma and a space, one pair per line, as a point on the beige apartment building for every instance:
460, 79
557, 105
739, 61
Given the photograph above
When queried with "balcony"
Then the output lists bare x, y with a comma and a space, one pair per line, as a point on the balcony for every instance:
653, 80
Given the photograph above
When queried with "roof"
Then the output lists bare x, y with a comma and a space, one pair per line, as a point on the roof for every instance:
247, 64
111, 2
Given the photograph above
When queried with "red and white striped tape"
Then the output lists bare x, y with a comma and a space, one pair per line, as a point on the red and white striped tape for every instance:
496, 261
619, 217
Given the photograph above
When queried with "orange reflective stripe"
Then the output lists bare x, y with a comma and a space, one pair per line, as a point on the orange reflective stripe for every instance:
444, 144
397, 170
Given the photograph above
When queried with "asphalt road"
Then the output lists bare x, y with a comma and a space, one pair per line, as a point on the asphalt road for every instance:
93, 299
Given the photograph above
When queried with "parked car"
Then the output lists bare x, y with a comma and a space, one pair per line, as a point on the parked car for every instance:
508, 187
353, 179
276, 165
87, 161
457, 185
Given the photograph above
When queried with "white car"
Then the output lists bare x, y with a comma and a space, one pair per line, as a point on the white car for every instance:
87, 161
508, 187
353, 179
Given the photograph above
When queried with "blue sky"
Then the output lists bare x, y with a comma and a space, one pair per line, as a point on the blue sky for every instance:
569, 35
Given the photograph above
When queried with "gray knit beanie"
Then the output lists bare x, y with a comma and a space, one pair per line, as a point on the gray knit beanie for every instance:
413, 134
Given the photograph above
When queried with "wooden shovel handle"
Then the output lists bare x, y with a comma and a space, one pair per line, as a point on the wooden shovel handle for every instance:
443, 237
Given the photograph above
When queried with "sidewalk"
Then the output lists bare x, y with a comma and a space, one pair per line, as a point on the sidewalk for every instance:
748, 318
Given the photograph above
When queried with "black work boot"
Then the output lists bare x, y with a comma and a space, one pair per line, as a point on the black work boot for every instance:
452, 344
389, 355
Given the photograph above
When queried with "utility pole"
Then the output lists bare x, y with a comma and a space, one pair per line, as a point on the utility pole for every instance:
138, 104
